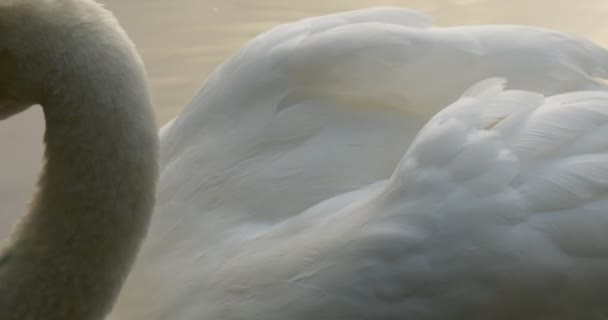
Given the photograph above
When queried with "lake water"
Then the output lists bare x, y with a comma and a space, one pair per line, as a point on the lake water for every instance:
182, 41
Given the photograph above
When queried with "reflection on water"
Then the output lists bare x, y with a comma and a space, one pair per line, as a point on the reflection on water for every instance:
182, 41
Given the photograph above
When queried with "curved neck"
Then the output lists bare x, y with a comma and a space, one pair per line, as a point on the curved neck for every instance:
69, 256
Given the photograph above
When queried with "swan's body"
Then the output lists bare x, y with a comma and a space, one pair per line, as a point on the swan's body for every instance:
282, 197
67, 259
296, 185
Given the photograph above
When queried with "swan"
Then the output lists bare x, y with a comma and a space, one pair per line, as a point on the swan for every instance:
299, 183
68, 257
313, 176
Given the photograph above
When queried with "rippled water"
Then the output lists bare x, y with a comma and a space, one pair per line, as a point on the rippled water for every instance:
182, 41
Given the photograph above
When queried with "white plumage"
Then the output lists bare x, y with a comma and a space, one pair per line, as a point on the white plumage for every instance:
300, 182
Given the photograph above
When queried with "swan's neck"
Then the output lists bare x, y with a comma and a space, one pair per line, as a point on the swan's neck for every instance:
69, 256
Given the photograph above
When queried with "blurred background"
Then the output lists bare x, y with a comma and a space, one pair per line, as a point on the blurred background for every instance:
183, 41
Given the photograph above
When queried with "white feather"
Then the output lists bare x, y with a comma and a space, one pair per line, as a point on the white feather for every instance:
300, 183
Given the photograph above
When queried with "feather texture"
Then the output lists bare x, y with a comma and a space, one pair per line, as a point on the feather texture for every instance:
302, 182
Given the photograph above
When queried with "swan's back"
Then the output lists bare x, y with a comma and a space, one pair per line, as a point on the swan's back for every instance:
496, 211
375, 75
320, 109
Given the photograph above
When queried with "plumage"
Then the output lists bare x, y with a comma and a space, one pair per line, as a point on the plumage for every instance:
67, 258
360, 165
314, 177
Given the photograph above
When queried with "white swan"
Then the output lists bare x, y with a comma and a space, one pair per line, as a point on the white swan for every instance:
290, 189
68, 257
274, 201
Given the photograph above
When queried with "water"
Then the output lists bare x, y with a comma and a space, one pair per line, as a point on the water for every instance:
182, 42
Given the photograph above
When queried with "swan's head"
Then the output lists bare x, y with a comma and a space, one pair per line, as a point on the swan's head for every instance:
47, 45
